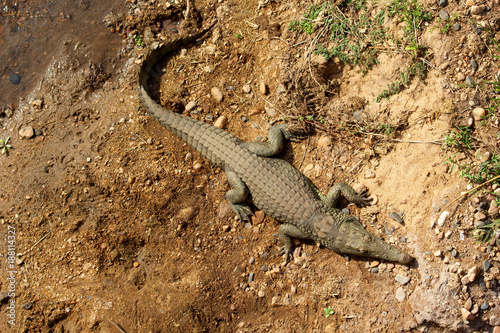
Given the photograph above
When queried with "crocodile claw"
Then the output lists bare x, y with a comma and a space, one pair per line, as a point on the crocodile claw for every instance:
362, 199
243, 211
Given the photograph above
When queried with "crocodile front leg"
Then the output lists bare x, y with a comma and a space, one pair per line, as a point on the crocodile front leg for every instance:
275, 139
287, 233
342, 189
237, 195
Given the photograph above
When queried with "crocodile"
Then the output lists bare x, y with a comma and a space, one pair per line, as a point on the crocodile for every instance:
273, 185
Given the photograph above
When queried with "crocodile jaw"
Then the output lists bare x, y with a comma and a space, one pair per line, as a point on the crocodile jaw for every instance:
353, 238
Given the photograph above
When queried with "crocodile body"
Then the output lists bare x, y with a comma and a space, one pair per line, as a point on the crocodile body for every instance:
273, 185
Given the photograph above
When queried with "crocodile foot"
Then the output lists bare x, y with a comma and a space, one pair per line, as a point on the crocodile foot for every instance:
243, 211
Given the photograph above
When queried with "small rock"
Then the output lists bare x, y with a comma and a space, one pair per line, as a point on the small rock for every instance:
258, 217
469, 80
442, 218
216, 94
281, 88
496, 329
485, 306
136, 264
438, 254
454, 253
27, 306
443, 3
221, 122
486, 265
400, 294
369, 173
261, 294
471, 274
3, 297
251, 260
374, 270
14, 78
493, 210
460, 76
475, 309
478, 113
37, 102
263, 88
473, 63
191, 105
476, 10
457, 26
250, 277
479, 216
185, 213
209, 117
396, 217
469, 3
468, 304
466, 314
402, 279
494, 321
293, 289
264, 268
247, 89
443, 14
271, 112
26, 132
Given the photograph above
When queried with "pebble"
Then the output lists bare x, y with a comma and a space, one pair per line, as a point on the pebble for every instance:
468, 304
494, 321
209, 117
442, 218
466, 314
37, 102
402, 279
493, 210
27, 306
476, 10
478, 113
469, 81
479, 216
251, 260
261, 294
485, 306
473, 63
369, 173
247, 89
486, 265
221, 122
457, 27
374, 270
438, 254
470, 3
471, 274
14, 78
443, 3
191, 105
27, 132
454, 253
264, 268
400, 294
3, 297
396, 217
496, 329
281, 88
460, 76
443, 14
216, 94
250, 277
271, 112
244, 119
258, 217
263, 88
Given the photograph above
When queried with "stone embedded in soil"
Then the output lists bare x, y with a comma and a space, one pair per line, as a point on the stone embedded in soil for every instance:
468, 304
479, 216
400, 294
476, 10
469, 80
261, 294
27, 132
216, 94
494, 321
496, 329
396, 217
460, 76
221, 122
185, 213
457, 26
271, 112
443, 14
247, 89
37, 102
478, 113
402, 279
263, 88
493, 210
325, 142
191, 105
443, 3
14, 78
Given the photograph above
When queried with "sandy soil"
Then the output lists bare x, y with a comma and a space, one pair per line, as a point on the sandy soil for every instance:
120, 226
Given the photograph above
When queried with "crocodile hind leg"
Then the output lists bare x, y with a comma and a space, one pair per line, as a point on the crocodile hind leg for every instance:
275, 138
342, 189
287, 233
237, 195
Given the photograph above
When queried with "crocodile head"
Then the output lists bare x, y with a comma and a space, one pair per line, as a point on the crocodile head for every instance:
352, 238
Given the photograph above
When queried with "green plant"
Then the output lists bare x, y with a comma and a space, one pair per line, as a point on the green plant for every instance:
138, 40
328, 311
385, 129
459, 139
307, 22
486, 232
237, 35
5, 146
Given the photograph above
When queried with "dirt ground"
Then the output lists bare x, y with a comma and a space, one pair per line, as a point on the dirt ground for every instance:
112, 224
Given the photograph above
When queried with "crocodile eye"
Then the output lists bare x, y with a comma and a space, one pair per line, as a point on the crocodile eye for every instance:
367, 238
